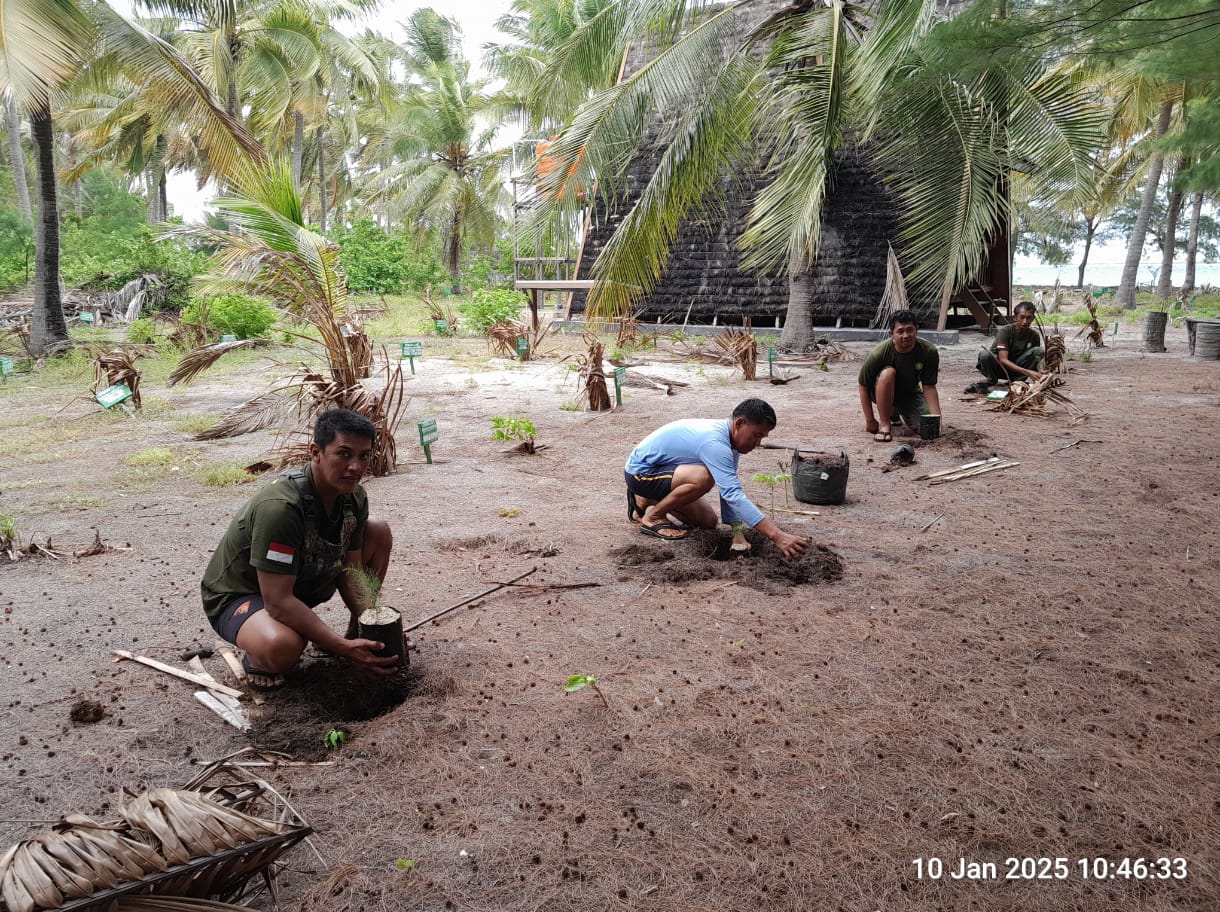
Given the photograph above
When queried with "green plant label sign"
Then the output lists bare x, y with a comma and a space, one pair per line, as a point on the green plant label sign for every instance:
523, 347
228, 337
85, 317
412, 349
770, 360
620, 373
113, 395
6, 366
442, 327
427, 436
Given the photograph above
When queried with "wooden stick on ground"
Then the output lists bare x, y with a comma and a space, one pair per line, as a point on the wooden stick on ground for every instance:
178, 673
933, 521
960, 468
228, 713
231, 659
970, 474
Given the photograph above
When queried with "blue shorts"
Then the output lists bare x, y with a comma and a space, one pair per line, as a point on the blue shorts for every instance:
651, 487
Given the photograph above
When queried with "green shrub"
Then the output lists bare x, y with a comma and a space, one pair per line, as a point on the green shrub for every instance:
142, 332
244, 316
489, 306
382, 263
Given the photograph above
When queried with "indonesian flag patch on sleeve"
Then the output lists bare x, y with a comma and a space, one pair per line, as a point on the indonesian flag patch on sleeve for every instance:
281, 554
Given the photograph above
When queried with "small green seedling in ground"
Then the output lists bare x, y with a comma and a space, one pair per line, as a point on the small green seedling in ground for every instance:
738, 643
509, 512
578, 681
772, 482
335, 738
509, 429
404, 864
1086, 357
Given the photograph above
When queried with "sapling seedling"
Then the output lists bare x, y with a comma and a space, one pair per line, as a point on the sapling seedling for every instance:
404, 864
334, 738
366, 585
578, 681
774, 481
510, 429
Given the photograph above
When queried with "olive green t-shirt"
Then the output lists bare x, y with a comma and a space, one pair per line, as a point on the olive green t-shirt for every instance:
1006, 337
918, 366
283, 529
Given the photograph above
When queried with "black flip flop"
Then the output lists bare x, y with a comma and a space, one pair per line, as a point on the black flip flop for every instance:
634, 512
883, 437
655, 531
261, 681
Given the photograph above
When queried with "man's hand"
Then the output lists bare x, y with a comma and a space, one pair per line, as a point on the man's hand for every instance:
790, 545
361, 652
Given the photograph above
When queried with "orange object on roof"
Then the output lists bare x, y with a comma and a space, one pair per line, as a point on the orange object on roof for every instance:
547, 164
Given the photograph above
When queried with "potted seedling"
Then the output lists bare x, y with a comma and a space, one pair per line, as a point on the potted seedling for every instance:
378, 622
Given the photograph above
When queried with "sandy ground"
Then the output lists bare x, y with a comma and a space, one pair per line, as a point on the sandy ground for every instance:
1017, 666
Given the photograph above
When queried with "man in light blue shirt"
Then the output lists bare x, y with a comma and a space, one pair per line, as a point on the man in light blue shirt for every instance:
674, 466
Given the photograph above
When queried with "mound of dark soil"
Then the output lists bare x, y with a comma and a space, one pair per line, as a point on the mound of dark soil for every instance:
705, 555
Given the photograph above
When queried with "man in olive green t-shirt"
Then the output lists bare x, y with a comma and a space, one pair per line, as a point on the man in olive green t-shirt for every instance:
1017, 350
287, 550
899, 375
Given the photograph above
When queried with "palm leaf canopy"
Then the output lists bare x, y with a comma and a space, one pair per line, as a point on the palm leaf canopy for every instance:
784, 91
42, 43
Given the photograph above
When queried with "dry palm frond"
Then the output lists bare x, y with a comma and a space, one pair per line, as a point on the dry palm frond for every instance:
175, 904
195, 362
1055, 349
359, 348
1056, 298
894, 298
117, 366
1095, 338
1037, 398
440, 311
739, 347
628, 331
593, 375
503, 337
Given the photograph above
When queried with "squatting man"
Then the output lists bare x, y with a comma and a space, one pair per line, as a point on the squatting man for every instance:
674, 466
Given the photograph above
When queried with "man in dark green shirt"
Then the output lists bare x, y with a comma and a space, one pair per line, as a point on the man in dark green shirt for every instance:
899, 375
287, 551
1017, 350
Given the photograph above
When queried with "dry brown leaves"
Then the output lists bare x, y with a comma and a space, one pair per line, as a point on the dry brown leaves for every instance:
739, 347
593, 375
117, 366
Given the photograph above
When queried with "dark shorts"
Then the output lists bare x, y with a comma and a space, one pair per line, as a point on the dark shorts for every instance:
650, 487
236, 613
908, 408
242, 608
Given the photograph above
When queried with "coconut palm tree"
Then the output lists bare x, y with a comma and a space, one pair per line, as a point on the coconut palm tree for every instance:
433, 164
270, 251
793, 87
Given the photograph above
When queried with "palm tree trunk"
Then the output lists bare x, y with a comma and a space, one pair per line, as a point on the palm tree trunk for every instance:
155, 180
1164, 285
321, 182
48, 328
1192, 242
16, 157
453, 251
298, 148
797, 334
1135, 245
1090, 229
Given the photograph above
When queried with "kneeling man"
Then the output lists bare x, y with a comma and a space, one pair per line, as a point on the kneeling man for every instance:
287, 551
899, 375
674, 466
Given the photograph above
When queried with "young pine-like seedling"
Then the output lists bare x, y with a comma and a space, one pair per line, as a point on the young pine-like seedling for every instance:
578, 681
366, 584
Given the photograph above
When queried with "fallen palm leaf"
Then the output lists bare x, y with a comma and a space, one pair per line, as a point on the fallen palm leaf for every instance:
593, 375
117, 366
739, 347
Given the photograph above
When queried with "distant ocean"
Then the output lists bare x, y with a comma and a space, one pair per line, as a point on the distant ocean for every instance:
1106, 272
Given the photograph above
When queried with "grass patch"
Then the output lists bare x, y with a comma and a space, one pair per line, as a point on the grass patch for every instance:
157, 457
193, 424
225, 475
407, 315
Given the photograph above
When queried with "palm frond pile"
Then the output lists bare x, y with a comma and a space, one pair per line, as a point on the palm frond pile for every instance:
593, 375
117, 366
1054, 351
503, 336
1038, 398
1095, 336
440, 311
739, 347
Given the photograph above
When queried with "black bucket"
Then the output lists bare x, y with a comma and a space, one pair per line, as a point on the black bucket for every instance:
819, 478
